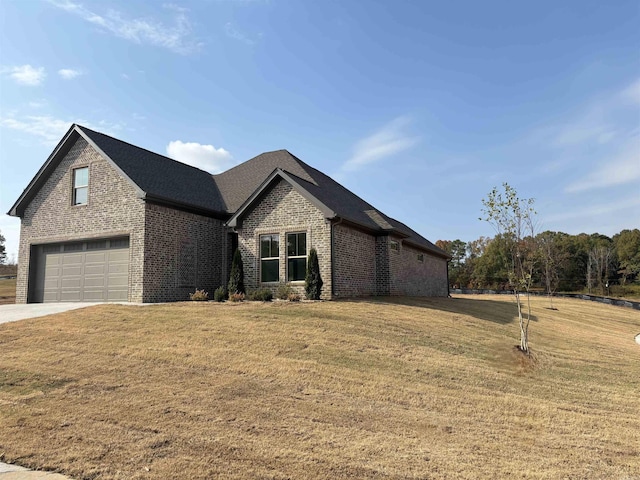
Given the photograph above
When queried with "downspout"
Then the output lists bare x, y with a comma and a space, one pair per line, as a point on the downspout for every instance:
448, 289
333, 283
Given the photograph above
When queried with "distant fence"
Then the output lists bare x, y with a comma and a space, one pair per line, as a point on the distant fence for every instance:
7, 277
594, 298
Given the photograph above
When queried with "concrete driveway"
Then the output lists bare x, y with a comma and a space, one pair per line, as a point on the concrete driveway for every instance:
12, 312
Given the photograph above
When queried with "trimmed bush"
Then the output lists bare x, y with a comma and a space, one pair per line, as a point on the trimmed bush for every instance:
261, 295
283, 292
293, 297
236, 277
313, 281
199, 296
236, 297
220, 294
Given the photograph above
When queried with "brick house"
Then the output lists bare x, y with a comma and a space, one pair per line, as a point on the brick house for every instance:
106, 220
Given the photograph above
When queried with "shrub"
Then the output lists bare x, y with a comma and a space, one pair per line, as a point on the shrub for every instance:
313, 281
293, 297
283, 292
220, 294
236, 297
261, 295
199, 296
236, 278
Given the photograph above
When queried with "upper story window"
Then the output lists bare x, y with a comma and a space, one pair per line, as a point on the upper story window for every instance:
80, 186
296, 256
394, 245
270, 258
421, 257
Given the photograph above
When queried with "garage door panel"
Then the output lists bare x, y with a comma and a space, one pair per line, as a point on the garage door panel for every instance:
70, 296
98, 269
86, 271
72, 258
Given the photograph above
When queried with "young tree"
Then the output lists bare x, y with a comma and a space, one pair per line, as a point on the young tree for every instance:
236, 278
313, 281
3, 251
513, 219
553, 259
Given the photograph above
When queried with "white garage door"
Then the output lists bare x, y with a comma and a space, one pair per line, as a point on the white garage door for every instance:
89, 271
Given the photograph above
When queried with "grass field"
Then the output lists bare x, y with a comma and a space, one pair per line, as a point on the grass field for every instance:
7, 291
393, 389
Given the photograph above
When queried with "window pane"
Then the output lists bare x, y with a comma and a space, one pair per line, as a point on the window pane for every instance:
81, 177
296, 269
302, 244
275, 245
265, 242
270, 270
80, 196
291, 244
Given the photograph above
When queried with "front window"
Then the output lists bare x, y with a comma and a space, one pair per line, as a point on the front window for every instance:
80, 185
270, 258
296, 256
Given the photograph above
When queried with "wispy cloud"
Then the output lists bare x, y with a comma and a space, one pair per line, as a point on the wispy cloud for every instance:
177, 38
600, 121
236, 34
596, 210
622, 169
50, 129
69, 73
204, 157
25, 74
388, 141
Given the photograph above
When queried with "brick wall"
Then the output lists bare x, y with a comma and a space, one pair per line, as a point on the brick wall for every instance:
184, 251
354, 262
409, 276
113, 208
283, 210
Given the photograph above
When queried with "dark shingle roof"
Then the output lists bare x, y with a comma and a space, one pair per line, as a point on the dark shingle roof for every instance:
168, 181
237, 185
160, 177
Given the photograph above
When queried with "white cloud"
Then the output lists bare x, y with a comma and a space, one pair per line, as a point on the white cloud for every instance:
177, 38
50, 130
69, 73
234, 33
26, 74
204, 157
624, 168
632, 93
389, 140
47, 128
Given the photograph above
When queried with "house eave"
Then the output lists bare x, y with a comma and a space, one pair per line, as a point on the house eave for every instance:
235, 220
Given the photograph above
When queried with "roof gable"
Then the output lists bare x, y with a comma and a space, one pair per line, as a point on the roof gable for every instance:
276, 175
155, 177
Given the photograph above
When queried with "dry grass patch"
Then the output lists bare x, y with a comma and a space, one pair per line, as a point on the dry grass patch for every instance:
366, 389
7, 291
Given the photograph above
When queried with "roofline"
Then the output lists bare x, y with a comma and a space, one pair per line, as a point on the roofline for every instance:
13, 211
188, 207
278, 172
52, 161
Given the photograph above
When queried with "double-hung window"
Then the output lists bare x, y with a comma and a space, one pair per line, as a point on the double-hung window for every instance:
296, 256
80, 186
270, 258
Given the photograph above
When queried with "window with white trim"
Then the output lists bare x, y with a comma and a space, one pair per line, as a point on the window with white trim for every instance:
394, 245
80, 186
296, 256
269, 258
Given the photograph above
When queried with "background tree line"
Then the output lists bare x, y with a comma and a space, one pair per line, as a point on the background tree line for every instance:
563, 262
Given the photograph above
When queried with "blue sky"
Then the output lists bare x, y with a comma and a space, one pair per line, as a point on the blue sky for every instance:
419, 107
